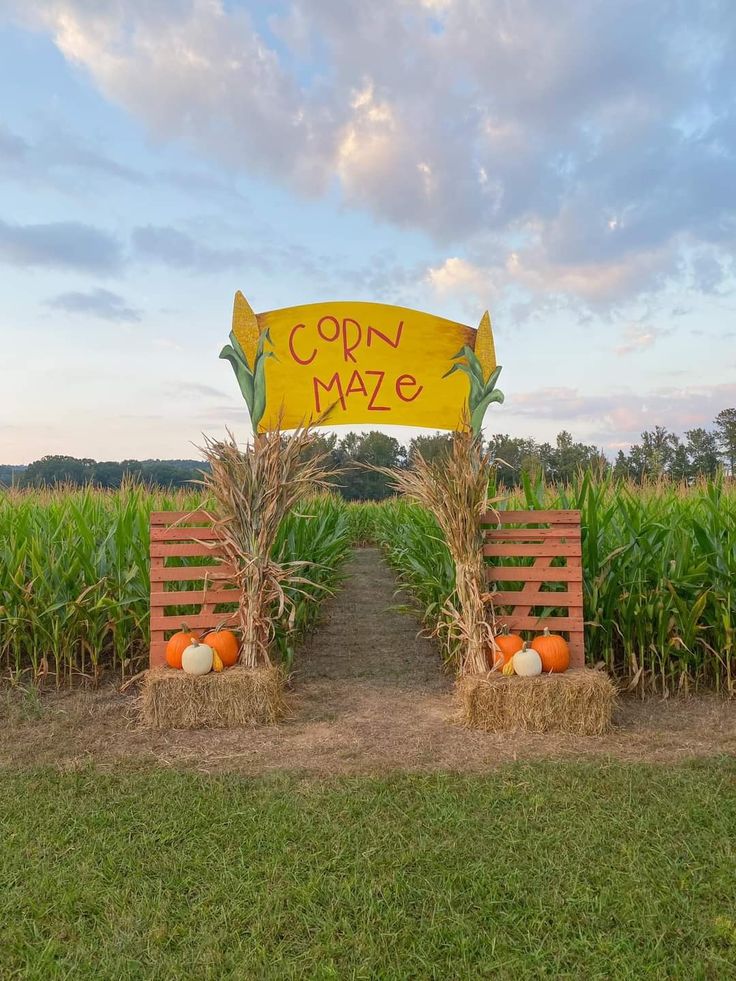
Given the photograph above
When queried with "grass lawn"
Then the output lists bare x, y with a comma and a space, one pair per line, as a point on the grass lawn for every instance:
537, 870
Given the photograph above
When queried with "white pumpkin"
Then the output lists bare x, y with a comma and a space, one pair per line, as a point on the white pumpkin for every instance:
526, 662
197, 658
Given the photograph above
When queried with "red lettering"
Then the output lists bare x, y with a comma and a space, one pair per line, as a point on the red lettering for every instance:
394, 344
334, 381
376, 390
346, 347
292, 349
321, 332
404, 380
356, 384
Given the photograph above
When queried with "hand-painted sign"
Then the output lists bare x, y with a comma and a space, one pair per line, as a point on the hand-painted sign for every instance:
368, 363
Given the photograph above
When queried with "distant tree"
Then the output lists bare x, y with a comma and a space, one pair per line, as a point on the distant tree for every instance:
621, 467
680, 466
431, 447
702, 449
726, 434
514, 455
656, 451
356, 452
53, 470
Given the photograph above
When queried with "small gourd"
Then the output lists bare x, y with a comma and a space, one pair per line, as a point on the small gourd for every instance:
554, 652
197, 658
226, 644
505, 645
508, 668
217, 664
527, 662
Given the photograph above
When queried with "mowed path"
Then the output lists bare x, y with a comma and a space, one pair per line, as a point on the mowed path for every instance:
368, 696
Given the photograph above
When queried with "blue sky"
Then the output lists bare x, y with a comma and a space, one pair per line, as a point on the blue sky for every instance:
570, 167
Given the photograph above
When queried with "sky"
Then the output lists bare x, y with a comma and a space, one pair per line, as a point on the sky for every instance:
569, 166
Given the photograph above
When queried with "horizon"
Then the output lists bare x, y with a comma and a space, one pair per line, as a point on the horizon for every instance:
586, 198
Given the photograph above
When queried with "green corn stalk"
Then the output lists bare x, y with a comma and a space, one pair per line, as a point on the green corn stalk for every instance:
251, 380
483, 389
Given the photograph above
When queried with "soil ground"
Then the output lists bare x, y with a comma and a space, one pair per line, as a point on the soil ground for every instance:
369, 697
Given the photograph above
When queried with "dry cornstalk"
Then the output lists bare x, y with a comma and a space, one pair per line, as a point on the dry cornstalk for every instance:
254, 489
454, 488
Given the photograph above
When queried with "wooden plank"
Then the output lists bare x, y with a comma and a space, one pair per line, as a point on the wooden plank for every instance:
560, 533
534, 597
183, 550
530, 573
158, 653
171, 517
519, 550
560, 517
184, 597
184, 534
212, 573
516, 622
159, 622
577, 649
558, 574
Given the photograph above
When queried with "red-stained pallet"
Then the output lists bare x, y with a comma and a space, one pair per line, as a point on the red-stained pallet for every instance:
543, 536
183, 534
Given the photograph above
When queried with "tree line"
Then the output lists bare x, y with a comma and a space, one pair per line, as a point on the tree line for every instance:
660, 453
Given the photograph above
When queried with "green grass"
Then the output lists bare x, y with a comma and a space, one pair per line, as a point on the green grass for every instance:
545, 870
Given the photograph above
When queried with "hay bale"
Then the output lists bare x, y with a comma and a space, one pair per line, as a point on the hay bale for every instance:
229, 699
579, 702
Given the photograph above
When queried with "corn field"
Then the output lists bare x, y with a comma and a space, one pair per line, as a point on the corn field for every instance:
659, 566
74, 575
659, 561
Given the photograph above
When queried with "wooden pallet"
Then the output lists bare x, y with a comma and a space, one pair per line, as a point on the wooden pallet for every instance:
543, 536
185, 535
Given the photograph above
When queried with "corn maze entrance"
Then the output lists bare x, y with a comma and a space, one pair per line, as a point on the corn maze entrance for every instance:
534, 564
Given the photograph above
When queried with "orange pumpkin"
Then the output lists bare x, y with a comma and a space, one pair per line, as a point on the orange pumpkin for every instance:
554, 652
506, 646
177, 645
224, 643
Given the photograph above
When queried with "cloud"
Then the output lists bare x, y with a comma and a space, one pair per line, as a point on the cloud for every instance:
624, 414
60, 245
59, 158
98, 303
640, 338
588, 148
174, 248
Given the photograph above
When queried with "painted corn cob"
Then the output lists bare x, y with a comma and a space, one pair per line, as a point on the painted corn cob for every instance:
247, 356
480, 367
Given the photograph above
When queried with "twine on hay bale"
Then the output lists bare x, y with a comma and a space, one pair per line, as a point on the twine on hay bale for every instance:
229, 699
579, 702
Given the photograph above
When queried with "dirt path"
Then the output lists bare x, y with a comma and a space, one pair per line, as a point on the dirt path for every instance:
369, 697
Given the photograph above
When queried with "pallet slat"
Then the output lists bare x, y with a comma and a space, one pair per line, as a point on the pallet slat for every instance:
531, 517
185, 597
212, 573
535, 598
210, 620
560, 533
530, 573
549, 550
171, 517
184, 534
182, 550
554, 624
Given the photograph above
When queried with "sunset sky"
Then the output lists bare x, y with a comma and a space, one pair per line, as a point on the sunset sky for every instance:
569, 166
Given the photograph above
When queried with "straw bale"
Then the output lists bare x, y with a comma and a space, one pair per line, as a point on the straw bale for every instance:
230, 699
579, 701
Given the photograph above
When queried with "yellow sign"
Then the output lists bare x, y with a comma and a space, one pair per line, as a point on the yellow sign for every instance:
368, 363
